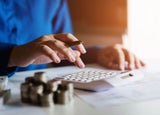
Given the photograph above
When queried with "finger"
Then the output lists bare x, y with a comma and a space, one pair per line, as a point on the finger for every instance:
120, 58
79, 63
42, 59
129, 57
70, 38
109, 65
50, 53
62, 57
142, 63
59, 46
116, 67
137, 63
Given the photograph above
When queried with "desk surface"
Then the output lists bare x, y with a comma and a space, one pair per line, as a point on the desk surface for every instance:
77, 107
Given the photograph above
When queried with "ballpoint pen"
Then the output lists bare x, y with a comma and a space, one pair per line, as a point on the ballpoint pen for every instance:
73, 43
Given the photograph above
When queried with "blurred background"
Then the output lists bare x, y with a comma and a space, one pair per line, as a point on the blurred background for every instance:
144, 27
99, 22
134, 23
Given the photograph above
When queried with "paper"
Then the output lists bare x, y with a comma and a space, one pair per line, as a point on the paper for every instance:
152, 65
143, 90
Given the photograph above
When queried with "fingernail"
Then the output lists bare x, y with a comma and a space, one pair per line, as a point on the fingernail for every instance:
138, 66
122, 67
72, 58
83, 50
58, 60
82, 65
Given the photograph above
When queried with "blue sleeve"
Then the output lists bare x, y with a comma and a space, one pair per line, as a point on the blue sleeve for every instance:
62, 21
5, 51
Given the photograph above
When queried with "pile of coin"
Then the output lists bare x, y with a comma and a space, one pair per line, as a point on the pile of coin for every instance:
37, 90
4, 93
3, 82
4, 97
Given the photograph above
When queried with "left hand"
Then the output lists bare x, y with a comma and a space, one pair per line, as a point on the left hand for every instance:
46, 49
119, 58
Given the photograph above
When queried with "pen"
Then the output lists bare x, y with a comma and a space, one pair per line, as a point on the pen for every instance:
73, 43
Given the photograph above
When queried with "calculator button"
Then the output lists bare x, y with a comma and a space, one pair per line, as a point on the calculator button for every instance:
89, 76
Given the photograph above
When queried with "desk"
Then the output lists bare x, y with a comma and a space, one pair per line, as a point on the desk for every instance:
77, 107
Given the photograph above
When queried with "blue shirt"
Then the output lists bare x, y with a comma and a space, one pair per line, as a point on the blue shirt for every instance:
22, 21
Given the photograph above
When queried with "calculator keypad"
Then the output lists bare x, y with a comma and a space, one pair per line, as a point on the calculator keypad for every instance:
90, 75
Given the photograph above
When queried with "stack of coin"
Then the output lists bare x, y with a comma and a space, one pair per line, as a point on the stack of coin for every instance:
25, 91
4, 96
37, 90
46, 99
35, 93
61, 97
30, 80
70, 89
64, 94
40, 77
3, 82
52, 85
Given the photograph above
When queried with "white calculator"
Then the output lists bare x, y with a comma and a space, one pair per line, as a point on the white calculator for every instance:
99, 80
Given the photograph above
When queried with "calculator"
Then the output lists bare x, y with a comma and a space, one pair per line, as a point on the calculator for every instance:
100, 80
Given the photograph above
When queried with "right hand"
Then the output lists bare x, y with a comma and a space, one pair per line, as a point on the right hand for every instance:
118, 57
46, 49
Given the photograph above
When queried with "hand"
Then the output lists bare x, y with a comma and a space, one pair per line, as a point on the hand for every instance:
118, 57
46, 49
